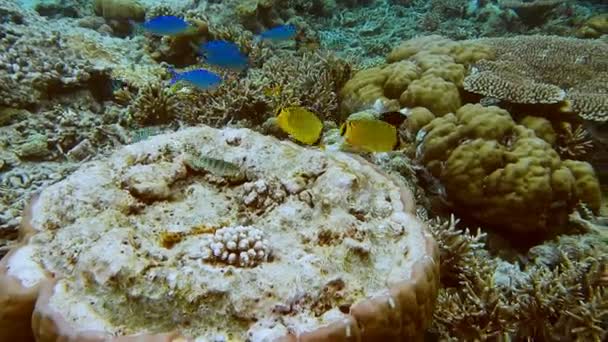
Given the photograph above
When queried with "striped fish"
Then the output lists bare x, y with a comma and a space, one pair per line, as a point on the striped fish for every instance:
216, 167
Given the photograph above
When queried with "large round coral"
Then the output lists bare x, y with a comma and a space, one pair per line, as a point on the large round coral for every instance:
149, 240
501, 173
426, 72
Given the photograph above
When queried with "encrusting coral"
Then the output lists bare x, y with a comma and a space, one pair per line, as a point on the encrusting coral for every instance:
36, 65
277, 257
501, 173
545, 70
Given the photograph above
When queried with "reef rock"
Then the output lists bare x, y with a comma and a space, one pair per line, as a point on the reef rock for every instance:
304, 245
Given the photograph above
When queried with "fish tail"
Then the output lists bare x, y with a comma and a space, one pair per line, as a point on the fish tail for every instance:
174, 75
257, 39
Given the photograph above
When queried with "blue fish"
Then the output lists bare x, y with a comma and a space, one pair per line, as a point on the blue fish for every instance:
166, 25
200, 78
278, 33
225, 55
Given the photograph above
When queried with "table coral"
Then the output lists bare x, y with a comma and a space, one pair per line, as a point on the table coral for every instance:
141, 243
545, 69
501, 173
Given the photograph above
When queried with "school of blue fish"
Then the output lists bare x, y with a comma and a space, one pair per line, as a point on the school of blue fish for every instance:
302, 125
219, 53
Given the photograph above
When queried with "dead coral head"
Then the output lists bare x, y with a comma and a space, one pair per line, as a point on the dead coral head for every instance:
120, 9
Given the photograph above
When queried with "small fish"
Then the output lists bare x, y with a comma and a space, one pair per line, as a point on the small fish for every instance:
217, 167
302, 124
278, 33
143, 134
370, 135
225, 55
201, 78
166, 25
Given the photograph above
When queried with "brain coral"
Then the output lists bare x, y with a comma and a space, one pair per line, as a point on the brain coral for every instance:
545, 69
501, 173
141, 242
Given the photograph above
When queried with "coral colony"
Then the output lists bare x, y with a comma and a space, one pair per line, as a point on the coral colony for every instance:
325, 170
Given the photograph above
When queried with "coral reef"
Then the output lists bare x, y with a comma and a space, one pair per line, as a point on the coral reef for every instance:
531, 12
493, 168
545, 69
425, 71
38, 65
559, 293
140, 243
154, 104
594, 27
309, 80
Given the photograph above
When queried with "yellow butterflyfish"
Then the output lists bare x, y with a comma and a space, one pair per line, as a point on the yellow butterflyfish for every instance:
370, 135
302, 124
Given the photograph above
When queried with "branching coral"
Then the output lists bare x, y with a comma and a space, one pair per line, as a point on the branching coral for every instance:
309, 80
547, 300
573, 142
545, 69
457, 248
155, 104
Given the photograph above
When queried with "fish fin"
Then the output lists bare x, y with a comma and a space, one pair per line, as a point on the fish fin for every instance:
343, 129
398, 143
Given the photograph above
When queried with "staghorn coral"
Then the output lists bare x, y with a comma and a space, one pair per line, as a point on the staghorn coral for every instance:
310, 80
154, 104
547, 70
37, 65
558, 294
457, 248
501, 173
574, 142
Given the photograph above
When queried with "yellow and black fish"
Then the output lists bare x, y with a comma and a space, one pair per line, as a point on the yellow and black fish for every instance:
370, 135
395, 118
302, 124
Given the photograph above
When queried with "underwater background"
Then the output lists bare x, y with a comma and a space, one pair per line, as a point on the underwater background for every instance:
492, 113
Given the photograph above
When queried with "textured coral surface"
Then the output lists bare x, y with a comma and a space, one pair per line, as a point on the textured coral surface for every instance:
144, 242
